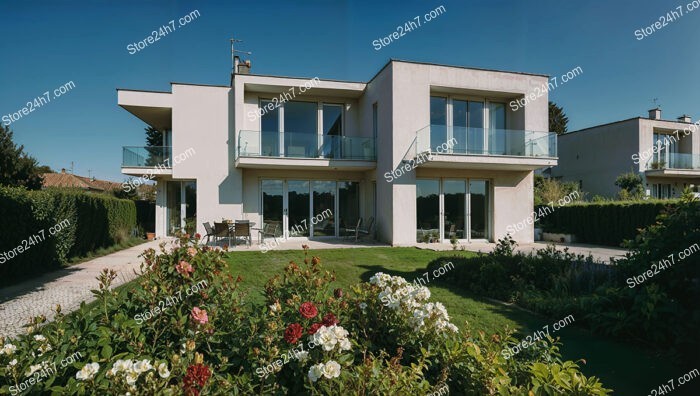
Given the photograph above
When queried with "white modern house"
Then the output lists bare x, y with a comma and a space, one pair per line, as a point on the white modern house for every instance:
665, 153
431, 152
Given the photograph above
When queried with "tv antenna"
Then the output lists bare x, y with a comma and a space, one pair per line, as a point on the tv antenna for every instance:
234, 51
655, 102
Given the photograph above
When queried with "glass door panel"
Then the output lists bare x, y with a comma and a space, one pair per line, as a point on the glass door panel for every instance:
478, 209
438, 121
174, 207
428, 209
475, 133
300, 129
298, 202
455, 192
190, 206
497, 126
332, 130
323, 222
459, 126
273, 204
348, 206
269, 131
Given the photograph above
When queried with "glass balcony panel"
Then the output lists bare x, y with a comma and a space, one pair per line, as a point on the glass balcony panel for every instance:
304, 145
146, 157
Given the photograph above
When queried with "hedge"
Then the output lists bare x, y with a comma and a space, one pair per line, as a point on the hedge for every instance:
87, 222
603, 223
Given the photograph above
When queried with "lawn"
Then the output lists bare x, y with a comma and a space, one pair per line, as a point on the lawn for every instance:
627, 369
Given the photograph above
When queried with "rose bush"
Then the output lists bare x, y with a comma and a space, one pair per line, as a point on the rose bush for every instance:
308, 339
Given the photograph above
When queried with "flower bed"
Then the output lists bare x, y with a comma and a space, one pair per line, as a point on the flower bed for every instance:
308, 339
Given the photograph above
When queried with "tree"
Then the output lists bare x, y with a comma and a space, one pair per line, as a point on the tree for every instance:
550, 190
17, 168
631, 186
154, 143
558, 121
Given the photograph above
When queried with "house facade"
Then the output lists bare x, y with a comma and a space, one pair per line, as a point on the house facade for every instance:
431, 152
665, 153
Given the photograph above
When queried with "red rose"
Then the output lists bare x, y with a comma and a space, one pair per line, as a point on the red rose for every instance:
293, 333
308, 310
314, 328
330, 320
196, 377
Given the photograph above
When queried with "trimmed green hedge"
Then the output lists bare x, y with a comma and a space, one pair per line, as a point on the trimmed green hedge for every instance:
86, 222
604, 223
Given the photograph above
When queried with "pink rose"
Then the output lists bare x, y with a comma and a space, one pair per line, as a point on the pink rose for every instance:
199, 315
191, 251
184, 268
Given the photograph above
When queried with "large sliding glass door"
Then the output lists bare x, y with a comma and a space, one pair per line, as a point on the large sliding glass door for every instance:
304, 208
452, 209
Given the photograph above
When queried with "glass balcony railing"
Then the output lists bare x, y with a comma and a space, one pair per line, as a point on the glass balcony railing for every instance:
674, 161
304, 145
451, 140
147, 157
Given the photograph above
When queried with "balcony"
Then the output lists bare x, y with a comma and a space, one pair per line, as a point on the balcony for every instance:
155, 158
669, 164
298, 150
442, 146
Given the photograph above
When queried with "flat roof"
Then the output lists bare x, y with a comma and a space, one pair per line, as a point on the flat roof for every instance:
621, 121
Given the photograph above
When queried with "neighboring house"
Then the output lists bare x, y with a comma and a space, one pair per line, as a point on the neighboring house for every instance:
69, 180
666, 154
289, 151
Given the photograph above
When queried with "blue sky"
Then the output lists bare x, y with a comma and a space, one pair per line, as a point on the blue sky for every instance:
48, 43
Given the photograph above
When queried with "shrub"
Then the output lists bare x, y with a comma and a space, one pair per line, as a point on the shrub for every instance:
604, 223
210, 341
86, 222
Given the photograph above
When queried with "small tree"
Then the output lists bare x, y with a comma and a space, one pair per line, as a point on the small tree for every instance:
550, 190
631, 186
17, 168
558, 121
154, 141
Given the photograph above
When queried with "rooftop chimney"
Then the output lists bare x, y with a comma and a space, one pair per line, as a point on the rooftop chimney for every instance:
244, 68
685, 118
655, 114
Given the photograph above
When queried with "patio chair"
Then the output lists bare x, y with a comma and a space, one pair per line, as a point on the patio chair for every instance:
349, 232
365, 231
221, 231
268, 230
242, 229
210, 232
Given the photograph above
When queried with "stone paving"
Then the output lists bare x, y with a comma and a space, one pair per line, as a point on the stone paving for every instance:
68, 287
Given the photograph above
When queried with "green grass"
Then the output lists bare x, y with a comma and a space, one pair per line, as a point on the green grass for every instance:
627, 369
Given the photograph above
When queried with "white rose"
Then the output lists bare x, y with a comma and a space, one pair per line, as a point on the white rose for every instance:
132, 377
315, 372
142, 366
88, 371
163, 370
345, 345
331, 369
8, 349
13, 362
39, 337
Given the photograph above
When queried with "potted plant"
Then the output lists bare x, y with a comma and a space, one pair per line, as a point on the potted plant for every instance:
150, 236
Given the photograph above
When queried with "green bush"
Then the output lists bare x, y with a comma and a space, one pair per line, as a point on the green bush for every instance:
84, 222
604, 223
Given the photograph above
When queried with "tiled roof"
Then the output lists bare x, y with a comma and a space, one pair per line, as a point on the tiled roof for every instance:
85, 183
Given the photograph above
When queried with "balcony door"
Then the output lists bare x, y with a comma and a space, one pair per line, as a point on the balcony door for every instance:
461, 123
181, 207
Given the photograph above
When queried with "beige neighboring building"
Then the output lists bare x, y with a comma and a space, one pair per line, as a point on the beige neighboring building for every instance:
69, 180
429, 151
665, 153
